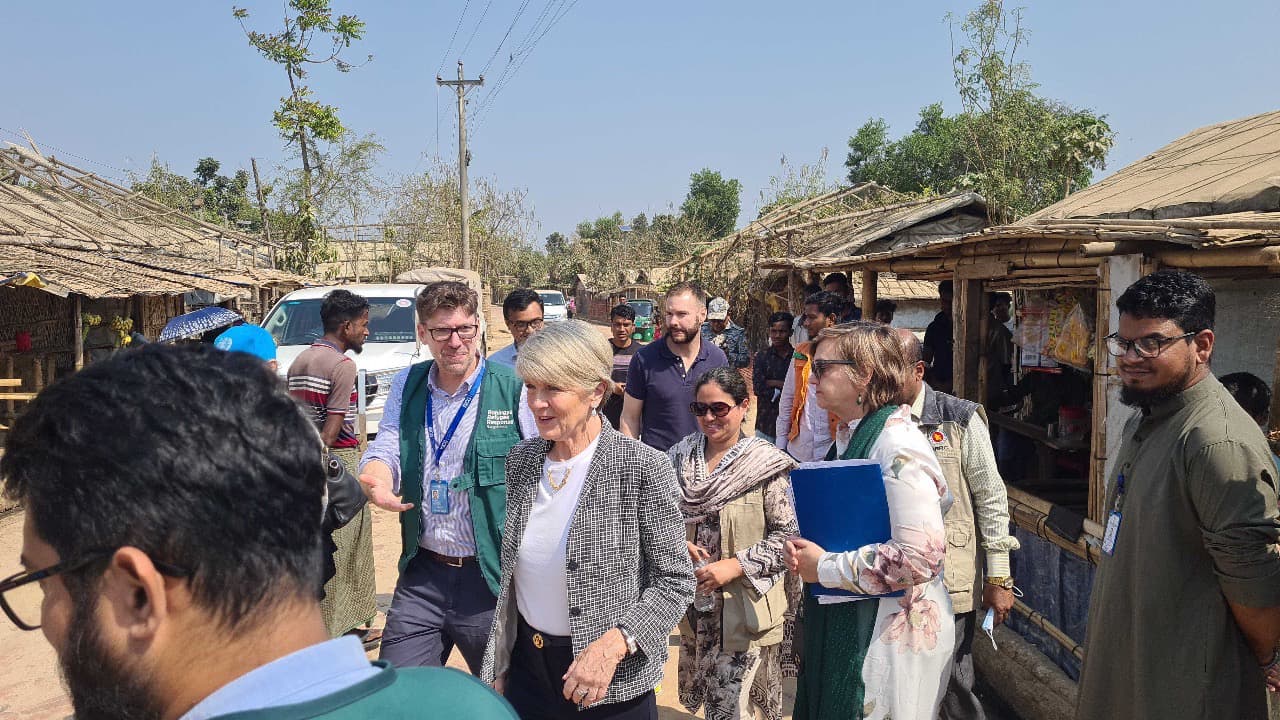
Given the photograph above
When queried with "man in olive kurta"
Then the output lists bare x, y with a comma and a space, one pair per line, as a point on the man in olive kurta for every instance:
1185, 612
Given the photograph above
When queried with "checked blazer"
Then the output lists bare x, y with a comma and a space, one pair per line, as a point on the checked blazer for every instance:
626, 559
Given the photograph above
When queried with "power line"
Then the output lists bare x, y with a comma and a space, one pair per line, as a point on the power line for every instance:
507, 77
475, 30
512, 26
517, 52
440, 67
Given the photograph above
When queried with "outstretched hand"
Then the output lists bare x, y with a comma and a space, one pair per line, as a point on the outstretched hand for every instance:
379, 492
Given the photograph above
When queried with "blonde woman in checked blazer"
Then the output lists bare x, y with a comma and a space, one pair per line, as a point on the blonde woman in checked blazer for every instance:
595, 570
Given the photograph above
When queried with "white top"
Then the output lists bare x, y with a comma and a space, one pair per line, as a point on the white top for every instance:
917, 495
541, 581
814, 440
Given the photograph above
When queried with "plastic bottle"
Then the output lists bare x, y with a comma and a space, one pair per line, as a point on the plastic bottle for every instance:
703, 602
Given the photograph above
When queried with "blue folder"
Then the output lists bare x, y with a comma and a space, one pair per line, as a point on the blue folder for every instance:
841, 505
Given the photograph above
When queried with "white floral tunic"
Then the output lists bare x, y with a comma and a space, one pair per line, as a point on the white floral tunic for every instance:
909, 660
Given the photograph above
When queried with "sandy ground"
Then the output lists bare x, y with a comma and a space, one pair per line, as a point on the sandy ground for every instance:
29, 682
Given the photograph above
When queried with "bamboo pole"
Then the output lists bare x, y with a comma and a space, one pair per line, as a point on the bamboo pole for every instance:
1041, 622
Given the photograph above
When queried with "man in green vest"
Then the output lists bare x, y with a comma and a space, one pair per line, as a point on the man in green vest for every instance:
171, 550
439, 460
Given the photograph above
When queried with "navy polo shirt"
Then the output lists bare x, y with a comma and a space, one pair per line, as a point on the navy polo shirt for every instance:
657, 377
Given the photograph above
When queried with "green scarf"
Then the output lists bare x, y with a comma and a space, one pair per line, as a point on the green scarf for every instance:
865, 435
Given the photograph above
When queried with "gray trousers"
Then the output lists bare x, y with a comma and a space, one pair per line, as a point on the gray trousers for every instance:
960, 703
435, 608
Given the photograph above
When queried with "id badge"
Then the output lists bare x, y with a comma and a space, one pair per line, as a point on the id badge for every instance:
438, 492
1113, 529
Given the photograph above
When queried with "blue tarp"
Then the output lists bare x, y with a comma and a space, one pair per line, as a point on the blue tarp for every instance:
1056, 584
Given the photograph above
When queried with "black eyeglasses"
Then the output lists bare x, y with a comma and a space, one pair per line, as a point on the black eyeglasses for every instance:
1145, 347
820, 367
524, 326
465, 332
718, 409
21, 596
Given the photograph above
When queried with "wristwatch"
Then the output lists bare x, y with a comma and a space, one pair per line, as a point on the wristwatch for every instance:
1003, 582
629, 639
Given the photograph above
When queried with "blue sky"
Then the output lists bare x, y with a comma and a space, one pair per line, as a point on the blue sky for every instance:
620, 102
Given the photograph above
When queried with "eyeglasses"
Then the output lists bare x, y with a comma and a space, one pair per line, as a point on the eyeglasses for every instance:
465, 332
1145, 347
820, 367
520, 326
718, 409
21, 596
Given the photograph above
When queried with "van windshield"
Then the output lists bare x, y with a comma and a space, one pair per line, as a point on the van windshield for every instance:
297, 322
551, 298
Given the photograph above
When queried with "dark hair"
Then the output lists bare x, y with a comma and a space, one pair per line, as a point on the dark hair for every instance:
812, 288
1177, 295
690, 287
727, 379
1250, 391
782, 317
195, 456
999, 298
624, 311
518, 300
828, 303
885, 306
946, 287
341, 306
446, 295
836, 277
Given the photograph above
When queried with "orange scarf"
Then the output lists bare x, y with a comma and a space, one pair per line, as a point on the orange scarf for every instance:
802, 392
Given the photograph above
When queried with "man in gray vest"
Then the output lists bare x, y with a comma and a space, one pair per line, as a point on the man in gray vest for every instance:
957, 431
439, 461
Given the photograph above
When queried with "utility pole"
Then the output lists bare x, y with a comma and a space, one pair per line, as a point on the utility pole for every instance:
460, 86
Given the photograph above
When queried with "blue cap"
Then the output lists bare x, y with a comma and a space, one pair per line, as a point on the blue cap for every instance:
248, 338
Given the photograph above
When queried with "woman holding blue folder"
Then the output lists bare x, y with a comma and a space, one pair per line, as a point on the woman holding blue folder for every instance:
887, 657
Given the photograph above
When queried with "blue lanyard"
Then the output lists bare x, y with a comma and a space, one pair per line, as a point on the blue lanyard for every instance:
438, 449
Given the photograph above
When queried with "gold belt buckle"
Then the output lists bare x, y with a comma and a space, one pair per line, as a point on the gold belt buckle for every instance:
538, 641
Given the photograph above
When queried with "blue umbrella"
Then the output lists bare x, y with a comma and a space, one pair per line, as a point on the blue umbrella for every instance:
198, 322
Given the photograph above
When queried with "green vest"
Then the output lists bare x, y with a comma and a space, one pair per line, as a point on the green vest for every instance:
484, 472
395, 695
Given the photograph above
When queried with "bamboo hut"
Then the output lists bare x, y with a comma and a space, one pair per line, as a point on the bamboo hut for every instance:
1208, 202
104, 251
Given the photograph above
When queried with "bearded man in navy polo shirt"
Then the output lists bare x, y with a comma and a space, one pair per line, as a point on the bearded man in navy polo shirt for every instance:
660, 382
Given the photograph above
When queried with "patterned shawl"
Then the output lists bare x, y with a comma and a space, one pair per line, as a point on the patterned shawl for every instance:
705, 491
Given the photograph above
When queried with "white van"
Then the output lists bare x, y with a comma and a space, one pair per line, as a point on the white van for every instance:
393, 340
554, 308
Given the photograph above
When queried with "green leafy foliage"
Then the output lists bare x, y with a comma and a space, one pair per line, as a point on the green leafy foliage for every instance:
1020, 150
302, 120
713, 202
214, 198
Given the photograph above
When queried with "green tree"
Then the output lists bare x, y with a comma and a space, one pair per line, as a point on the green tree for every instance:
207, 195
713, 201
795, 183
301, 119
1021, 151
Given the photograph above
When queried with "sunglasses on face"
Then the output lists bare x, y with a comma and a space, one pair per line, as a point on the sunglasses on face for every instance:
820, 367
717, 409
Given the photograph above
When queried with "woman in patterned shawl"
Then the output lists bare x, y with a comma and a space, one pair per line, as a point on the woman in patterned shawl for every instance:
887, 655
736, 499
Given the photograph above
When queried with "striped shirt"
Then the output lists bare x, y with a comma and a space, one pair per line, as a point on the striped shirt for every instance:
451, 533
323, 379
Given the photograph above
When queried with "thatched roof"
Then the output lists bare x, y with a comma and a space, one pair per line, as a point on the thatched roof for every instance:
83, 234
1229, 167
1210, 199
894, 227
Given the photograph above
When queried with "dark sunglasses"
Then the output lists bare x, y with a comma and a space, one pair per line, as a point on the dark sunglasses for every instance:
820, 367
718, 409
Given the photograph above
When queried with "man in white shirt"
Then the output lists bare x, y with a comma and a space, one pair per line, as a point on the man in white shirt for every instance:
522, 313
809, 440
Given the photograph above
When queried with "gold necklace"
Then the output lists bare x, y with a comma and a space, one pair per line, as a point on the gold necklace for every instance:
564, 478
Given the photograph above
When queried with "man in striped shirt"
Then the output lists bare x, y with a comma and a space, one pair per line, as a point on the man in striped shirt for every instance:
323, 380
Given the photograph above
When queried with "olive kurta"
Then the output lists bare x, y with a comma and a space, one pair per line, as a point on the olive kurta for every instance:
1199, 527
